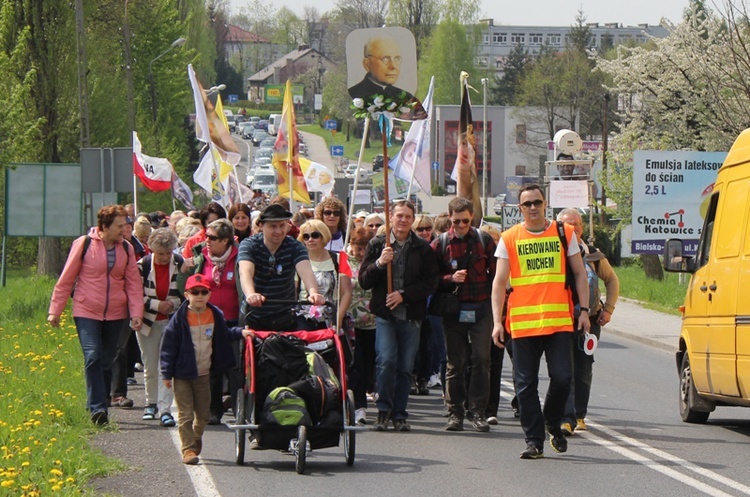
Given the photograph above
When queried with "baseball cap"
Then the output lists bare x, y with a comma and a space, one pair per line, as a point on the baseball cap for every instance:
361, 214
274, 212
197, 281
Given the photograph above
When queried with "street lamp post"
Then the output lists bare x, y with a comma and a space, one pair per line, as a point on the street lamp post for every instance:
152, 83
484, 149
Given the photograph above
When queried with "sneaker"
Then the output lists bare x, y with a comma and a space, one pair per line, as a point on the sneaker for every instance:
100, 417
532, 452
254, 445
455, 423
567, 429
360, 416
422, 387
214, 420
131, 381
492, 420
581, 424
382, 422
480, 424
401, 425
149, 413
434, 381
138, 367
122, 402
167, 420
558, 442
190, 457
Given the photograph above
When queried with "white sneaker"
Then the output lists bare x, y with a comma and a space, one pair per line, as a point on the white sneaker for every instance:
492, 420
360, 416
434, 381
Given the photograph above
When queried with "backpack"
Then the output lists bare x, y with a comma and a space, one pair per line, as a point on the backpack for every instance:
321, 396
86, 245
280, 360
591, 269
286, 408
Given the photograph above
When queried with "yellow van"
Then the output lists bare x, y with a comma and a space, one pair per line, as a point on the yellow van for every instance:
713, 359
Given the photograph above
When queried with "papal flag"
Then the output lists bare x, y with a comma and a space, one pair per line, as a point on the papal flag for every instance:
413, 161
154, 172
286, 152
222, 154
465, 170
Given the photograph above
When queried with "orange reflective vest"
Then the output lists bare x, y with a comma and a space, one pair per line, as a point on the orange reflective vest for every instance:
539, 303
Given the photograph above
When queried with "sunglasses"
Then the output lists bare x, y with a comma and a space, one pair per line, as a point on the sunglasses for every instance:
422, 229
376, 226
314, 235
213, 238
461, 221
332, 213
199, 292
535, 203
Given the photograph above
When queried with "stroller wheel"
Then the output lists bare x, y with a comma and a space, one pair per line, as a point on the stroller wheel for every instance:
240, 436
301, 450
349, 436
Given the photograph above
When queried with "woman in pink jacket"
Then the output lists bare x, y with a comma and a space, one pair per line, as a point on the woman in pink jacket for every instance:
108, 291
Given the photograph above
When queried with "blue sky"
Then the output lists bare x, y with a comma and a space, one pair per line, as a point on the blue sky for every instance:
550, 12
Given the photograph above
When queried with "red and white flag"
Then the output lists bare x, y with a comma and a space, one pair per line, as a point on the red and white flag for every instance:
154, 172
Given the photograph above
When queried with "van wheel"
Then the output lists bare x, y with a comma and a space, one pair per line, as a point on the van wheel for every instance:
689, 396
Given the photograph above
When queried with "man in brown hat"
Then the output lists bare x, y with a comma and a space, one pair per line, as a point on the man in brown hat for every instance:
267, 264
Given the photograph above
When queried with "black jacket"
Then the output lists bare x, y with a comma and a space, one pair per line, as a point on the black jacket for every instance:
420, 277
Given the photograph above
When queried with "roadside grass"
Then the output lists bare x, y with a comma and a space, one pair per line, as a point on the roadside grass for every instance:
351, 148
44, 424
665, 296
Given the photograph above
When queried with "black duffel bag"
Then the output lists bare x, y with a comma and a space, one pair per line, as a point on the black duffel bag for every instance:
445, 304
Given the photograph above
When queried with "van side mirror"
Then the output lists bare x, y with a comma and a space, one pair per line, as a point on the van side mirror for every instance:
674, 259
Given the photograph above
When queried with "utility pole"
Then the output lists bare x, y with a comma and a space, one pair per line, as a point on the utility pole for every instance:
83, 86
605, 147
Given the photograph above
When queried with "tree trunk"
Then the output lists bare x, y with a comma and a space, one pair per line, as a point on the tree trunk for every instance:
652, 266
50, 258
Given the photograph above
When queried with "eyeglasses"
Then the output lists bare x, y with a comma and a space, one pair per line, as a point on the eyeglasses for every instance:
461, 221
213, 238
274, 269
387, 60
535, 203
374, 226
199, 292
422, 229
314, 235
332, 213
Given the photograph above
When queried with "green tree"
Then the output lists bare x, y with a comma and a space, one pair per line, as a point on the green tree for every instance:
419, 16
581, 36
449, 50
506, 86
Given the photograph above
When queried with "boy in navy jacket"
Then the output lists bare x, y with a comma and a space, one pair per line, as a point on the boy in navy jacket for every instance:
196, 341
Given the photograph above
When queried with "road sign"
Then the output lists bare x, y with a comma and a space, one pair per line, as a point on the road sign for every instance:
337, 150
330, 124
435, 165
233, 98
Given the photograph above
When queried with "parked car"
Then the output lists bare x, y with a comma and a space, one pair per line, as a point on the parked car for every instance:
499, 204
265, 183
264, 152
245, 128
258, 136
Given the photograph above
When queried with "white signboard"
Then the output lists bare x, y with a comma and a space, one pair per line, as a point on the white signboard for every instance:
512, 215
568, 193
671, 191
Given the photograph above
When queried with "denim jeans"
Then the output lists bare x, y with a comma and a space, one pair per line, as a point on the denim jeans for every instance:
396, 344
496, 369
99, 344
363, 368
468, 344
527, 354
120, 363
580, 385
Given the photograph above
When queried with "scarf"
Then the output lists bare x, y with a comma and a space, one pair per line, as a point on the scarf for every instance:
219, 263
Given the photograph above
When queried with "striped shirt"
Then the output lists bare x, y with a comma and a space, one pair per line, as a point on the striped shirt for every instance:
274, 273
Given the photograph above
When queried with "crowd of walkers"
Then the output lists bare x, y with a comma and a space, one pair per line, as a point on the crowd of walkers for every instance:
430, 305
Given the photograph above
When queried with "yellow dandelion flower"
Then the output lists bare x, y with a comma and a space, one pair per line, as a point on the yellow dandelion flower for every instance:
56, 488
69, 480
7, 483
55, 472
25, 464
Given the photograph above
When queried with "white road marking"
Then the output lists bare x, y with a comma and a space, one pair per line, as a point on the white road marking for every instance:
652, 463
706, 473
203, 482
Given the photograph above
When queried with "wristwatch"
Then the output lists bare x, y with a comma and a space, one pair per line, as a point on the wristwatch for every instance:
586, 309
